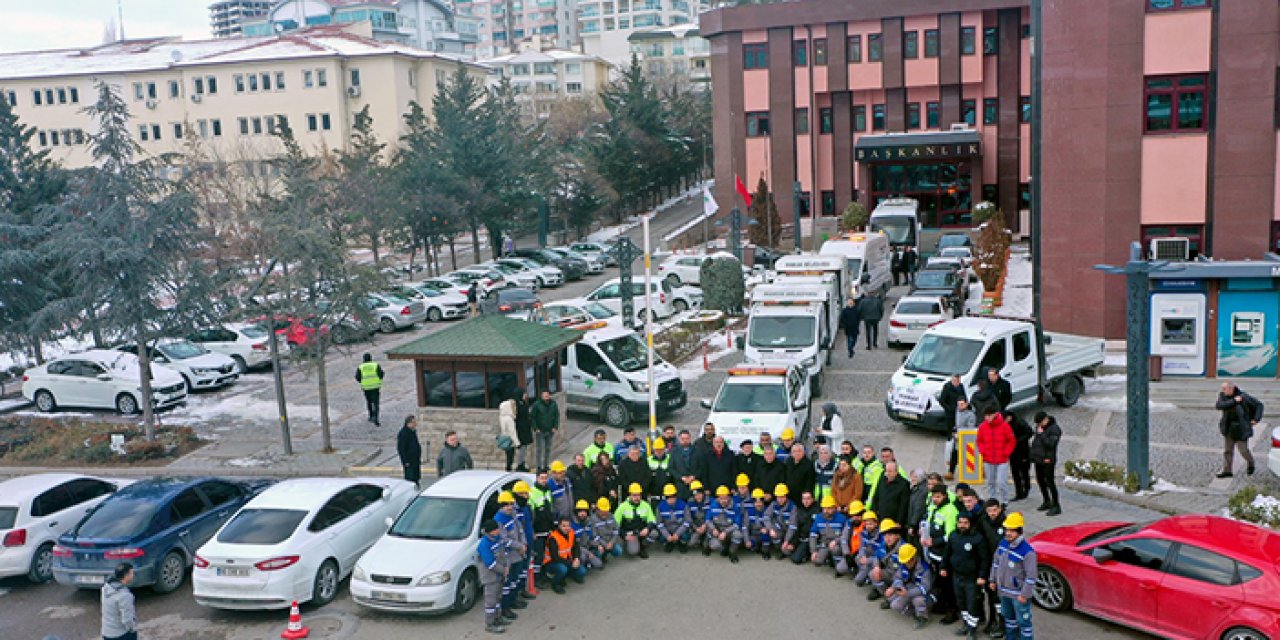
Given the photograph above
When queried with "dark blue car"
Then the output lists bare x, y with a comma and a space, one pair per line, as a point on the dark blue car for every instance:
157, 525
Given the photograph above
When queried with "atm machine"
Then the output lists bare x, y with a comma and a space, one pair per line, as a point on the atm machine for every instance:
1178, 325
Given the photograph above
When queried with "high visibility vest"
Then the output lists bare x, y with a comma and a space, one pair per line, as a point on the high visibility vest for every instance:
564, 547
369, 378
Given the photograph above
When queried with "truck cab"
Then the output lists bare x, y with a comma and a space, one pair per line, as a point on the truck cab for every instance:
753, 400
899, 220
605, 374
792, 324
1029, 359
867, 257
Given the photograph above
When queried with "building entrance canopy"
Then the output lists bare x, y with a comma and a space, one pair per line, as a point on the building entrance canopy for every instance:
912, 147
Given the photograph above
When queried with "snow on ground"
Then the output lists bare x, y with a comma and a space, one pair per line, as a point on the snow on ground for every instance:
53, 349
1267, 504
12, 403
1115, 360
608, 234
973, 304
1017, 286
1118, 404
718, 345
207, 409
1164, 486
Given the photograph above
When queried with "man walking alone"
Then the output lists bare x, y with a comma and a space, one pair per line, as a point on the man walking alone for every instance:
410, 450
872, 306
545, 415
369, 375
850, 323
1240, 413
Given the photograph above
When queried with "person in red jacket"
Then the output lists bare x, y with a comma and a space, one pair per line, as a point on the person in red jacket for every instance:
996, 443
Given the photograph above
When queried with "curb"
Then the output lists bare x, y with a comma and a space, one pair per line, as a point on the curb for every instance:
1144, 502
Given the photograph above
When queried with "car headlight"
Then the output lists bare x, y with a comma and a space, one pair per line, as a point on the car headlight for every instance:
203, 370
888, 395
359, 574
809, 362
639, 387
436, 578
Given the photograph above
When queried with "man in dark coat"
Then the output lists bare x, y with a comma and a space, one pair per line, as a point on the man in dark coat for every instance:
703, 443
850, 323
984, 399
410, 450
634, 469
1241, 412
895, 266
909, 259
1020, 459
952, 392
799, 471
872, 306
1044, 454
579, 476
748, 462
893, 495
719, 466
686, 463
1000, 388
770, 471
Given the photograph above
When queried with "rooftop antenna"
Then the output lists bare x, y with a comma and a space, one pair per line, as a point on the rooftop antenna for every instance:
120, 13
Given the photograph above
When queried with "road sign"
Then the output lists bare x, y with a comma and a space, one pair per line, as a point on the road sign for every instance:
970, 467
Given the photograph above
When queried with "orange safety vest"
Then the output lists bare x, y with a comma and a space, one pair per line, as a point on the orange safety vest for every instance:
564, 548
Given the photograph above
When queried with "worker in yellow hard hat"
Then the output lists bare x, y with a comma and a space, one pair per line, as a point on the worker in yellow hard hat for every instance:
582, 531
673, 521
909, 593
660, 471
636, 521
698, 505
561, 490
605, 534
517, 551
870, 548
724, 526
856, 525
829, 536
1013, 577
754, 537
786, 441
777, 517
742, 491
886, 569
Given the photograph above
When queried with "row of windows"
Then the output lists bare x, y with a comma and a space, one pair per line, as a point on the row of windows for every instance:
546, 68
254, 82
48, 96
260, 125
758, 121
61, 137
756, 55
1174, 5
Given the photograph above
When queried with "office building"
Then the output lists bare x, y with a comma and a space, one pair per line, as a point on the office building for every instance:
426, 24
505, 24
541, 78
673, 56
606, 26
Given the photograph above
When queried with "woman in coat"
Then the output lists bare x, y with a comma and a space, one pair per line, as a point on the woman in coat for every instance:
604, 478
1044, 454
507, 427
831, 428
524, 429
846, 484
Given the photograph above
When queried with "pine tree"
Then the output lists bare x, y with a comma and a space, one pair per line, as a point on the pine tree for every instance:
767, 229
363, 190
429, 216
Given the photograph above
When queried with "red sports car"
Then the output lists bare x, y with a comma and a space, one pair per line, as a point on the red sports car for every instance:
1193, 576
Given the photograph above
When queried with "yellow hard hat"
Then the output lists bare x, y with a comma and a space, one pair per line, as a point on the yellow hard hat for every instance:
906, 552
889, 525
722, 491
557, 466
582, 505
757, 493
828, 502
788, 434
520, 487
780, 490
669, 490
634, 488
659, 443
696, 485
870, 515
505, 497
602, 504
1014, 521
743, 480
856, 507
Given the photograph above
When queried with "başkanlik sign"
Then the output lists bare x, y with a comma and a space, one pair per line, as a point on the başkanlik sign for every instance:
891, 153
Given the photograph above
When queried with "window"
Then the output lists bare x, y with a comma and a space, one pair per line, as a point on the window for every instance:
911, 44
86, 489
875, 52
913, 115
244, 126
755, 56
324, 121
238, 80
1175, 103
1024, 109
220, 493
212, 82
75, 95
12, 98
968, 40
1193, 233
828, 202
1146, 553
198, 83
1174, 5
932, 119
544, 68
216, 125
825, 125
860, 117
257, 125
1026, 32
1021, 346
853, 49
996, 357
62, 95
757, 123
279, 81
820, 51
202, 126
177, 131
322, 78
48, 94
253, 82
589, 360
877, 117
573, 87
35, 97
51, 501
802, 121
931, 43
308, 79
187, 505
1024, 195
801, 57
155, 131
969, 111
355, 77
175, 89
990, 41
138, 92
990, 110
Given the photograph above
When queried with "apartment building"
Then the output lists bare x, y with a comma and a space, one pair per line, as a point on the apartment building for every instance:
606, 26
229, 94
673, 56
226, 17
540, 78
505, 24
426, 24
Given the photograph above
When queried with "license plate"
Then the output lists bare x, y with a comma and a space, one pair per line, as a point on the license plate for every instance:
392, 596
90, 579
673, 402
908, 416
916, 325
233, 572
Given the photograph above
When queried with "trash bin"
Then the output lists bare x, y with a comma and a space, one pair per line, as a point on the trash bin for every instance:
1155, 368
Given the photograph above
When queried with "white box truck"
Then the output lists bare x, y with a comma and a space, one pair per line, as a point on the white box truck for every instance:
899, 219
868, 259
809, 264
791, 324
1033, 361
605, 374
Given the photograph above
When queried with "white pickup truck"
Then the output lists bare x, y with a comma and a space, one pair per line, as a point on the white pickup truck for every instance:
753, 400
1032, 360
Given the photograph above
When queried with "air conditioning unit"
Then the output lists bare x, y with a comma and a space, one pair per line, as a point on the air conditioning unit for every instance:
1170, 249
195, 97
353, 92
151, 104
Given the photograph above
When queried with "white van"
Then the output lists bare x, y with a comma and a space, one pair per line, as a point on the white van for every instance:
791, 324
753, 400
868, 257
605, 374
809, 264
899, 219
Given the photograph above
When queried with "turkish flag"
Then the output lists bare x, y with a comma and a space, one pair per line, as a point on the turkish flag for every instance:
742, 189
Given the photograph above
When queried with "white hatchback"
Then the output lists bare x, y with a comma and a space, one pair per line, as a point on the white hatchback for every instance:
427, 560
35, 510
100, 379
681, 268
913, 315
295, 541
246, 344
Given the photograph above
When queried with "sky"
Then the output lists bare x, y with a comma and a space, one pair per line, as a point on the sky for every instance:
56, 24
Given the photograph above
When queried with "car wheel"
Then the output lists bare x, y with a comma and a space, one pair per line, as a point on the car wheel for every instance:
187, 381
1242, 633
41, 564
241, 367
465, 596
1052, 592
170, 573
325, 588
45, 402
126, 404
434, 314
680, 306
673, 280
1069, 393
615, 413
387, 325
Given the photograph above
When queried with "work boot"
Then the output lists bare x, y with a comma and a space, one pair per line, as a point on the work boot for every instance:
644, 553
668, 547
873, 595
949, 476
558, 588
950, 618
921, 621
733, 555
509, 614
494, 628
706, 551
964, 630
1044, 506
996, 627
766, 555
884, 605
684, 547
518, 605
1055, 510
502, 622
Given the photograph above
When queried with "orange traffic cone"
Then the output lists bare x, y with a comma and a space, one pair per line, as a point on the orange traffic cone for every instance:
530, 587
295, 629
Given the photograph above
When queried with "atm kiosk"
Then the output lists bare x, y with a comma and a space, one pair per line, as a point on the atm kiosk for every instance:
1178, 325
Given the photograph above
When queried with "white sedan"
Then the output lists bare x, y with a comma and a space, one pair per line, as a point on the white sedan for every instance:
913, 315
574, 312
100, 379
295, 542
246, 344
427, 561
199, 367
35, 510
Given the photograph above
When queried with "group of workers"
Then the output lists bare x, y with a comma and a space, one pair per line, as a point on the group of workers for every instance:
918, 546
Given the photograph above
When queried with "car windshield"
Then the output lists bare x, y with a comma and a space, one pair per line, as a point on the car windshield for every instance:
123, 517
599, 311
855, 266
180, 350
432, 518
955, 252
899, 229
782, 332
8, 516
516, 295
752, 398
953, 240
505, 268
627, 353
428, 292
255, 331
935, 279
917, 308
395, 300
943, 355
1113, 532
261, 526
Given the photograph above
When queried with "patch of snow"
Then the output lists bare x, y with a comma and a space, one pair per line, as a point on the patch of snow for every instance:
1267, 504
609, 234
1164, 486
1092, 483
1115, 360
13, 403
1118, 404
250, 462
1016, 300
1109, 380
240, 406
54, 349
718, 346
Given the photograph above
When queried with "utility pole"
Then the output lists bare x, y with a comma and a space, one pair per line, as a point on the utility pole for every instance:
795, 209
